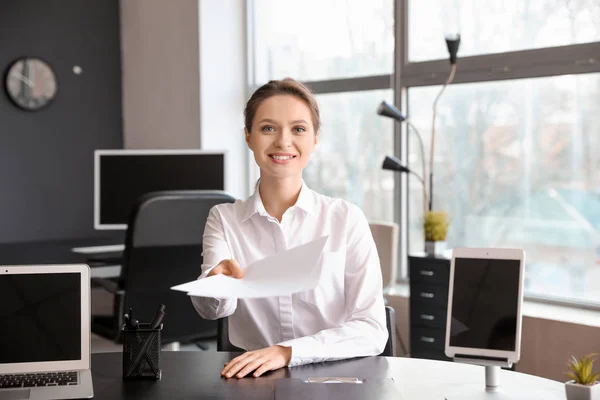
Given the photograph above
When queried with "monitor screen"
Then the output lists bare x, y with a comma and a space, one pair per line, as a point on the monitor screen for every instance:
40, 316
124, 176
485, 303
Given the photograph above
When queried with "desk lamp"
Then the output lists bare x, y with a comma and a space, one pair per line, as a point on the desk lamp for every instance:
394, 164
388, 110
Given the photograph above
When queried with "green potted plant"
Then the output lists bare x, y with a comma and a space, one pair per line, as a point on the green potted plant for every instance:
584, 384
435, 225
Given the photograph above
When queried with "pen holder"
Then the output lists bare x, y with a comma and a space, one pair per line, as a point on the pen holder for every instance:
141, 352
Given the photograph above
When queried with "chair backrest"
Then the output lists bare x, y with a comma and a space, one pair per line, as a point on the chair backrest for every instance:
163, 248
385, 235
223, 343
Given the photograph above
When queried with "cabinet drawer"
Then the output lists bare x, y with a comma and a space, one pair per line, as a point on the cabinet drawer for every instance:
431, 317
428, 295
429, 270
426, 339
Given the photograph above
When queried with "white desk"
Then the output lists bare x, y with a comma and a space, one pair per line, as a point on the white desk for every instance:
428, 379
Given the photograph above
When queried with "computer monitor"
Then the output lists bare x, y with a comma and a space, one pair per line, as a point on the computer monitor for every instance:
122, 176
484, 306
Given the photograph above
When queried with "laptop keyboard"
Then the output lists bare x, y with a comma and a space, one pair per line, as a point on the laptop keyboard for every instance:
42, 379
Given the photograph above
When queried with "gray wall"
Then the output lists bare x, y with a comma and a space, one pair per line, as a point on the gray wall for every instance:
46, 157
161, 77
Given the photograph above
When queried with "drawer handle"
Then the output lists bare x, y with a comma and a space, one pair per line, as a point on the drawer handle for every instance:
427, 317
427, 339
425, 272
427, 295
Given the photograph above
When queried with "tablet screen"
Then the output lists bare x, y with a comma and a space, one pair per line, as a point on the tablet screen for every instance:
484, 304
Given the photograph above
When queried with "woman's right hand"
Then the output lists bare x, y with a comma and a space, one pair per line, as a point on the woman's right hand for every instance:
228, 267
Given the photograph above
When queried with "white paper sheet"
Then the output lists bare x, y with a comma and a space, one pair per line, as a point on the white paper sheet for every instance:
291, 271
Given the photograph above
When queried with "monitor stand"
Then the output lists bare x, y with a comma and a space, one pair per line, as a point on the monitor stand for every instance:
493, 390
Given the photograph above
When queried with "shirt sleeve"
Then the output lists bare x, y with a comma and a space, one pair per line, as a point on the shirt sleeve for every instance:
364, 332
215, 249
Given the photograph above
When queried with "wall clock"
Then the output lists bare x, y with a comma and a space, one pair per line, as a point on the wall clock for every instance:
31, 83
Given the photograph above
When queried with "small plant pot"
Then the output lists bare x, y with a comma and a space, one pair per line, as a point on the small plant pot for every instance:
576, 391
435, 248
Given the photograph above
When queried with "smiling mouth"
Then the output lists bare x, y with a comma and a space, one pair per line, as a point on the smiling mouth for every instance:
282, 158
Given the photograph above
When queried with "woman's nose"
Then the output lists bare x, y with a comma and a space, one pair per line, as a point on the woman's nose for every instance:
284, 139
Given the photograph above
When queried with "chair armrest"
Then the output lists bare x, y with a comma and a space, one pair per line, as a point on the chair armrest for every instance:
390, 319
108, 285
223, 343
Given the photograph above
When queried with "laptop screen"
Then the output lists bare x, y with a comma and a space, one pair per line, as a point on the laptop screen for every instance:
484, 303
40, 317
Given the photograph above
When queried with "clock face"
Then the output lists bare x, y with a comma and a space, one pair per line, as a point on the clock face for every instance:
31, 83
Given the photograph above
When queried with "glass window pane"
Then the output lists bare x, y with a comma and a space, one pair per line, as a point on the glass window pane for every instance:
517, 164
352, 144
498, 26
322, 39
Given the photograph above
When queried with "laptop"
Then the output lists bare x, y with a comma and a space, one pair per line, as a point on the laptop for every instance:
45, 332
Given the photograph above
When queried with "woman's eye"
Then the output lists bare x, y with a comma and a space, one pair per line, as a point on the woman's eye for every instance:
300, 129
268, 128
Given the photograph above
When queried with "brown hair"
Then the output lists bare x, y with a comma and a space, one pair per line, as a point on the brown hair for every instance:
287, 86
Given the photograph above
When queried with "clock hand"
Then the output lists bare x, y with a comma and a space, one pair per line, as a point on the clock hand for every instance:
31, 75
25, 80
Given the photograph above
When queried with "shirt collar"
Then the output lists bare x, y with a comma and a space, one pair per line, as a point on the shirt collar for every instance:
254, 204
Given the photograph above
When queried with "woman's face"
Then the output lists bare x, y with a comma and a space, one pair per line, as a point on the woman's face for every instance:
282, 136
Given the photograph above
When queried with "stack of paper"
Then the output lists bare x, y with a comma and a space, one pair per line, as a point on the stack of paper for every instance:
291, 271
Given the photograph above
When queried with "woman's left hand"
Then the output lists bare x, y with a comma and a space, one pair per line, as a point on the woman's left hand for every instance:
259, 361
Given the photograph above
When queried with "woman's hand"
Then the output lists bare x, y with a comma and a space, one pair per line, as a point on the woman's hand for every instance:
259, 361
227, 267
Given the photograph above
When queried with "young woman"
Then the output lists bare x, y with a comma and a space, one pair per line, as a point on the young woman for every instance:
344, 316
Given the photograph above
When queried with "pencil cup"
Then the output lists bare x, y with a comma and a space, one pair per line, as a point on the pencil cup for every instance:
141, 352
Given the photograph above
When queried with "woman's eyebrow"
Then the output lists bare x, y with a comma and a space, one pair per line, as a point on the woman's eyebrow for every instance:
298, 121
267, 120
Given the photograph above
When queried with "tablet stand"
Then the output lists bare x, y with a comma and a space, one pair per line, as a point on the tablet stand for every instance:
493, 389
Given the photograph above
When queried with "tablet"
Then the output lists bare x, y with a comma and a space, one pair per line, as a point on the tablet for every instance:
484, 306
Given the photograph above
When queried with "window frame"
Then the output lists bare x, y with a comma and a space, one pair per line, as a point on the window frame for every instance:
533, 63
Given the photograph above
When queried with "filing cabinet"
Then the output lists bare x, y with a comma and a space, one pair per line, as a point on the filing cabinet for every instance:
429, 280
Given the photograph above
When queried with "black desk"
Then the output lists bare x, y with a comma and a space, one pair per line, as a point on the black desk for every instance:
58, 252
51, 252
188, 375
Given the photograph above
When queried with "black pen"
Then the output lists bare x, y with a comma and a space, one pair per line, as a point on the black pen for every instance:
158, 317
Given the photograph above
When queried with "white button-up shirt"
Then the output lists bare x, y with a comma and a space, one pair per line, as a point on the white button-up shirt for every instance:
343, 317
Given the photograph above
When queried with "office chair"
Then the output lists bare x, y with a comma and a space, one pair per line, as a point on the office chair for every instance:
223, 343
386, 235
163, 248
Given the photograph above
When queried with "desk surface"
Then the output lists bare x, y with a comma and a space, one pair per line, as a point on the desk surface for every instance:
196, 375
58, 252
50, 252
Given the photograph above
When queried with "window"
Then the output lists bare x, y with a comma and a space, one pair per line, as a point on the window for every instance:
315, 40
517, 135
344, 51
518, 165
500, 26
353, 142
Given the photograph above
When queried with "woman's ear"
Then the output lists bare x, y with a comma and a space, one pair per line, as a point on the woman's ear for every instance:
317, 138
248, 142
